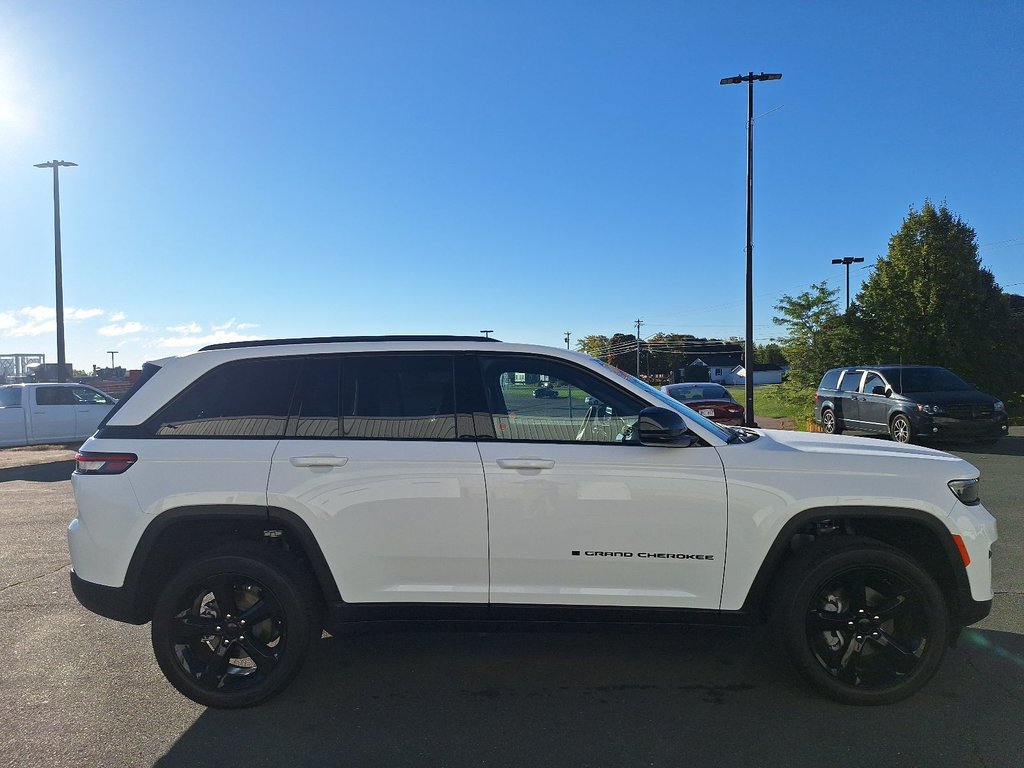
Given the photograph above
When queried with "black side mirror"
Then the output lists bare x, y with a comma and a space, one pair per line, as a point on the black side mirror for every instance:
661, 426
878, 390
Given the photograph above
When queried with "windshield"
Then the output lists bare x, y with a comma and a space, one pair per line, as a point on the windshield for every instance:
716, 429
906, 380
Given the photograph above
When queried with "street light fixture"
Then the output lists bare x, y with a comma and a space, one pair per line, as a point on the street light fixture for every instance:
111, 352
748, 350
487, 333
848, 260
56, 164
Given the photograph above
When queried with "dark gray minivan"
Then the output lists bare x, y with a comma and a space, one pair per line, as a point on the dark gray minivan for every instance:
907, 402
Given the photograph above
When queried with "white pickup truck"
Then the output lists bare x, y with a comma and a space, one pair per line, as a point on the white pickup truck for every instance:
36, 414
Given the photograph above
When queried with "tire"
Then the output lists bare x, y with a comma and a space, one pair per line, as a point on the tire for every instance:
233, 628
900, 429
861, 621
829, 423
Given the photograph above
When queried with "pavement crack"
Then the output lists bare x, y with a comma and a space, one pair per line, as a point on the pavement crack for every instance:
35, 578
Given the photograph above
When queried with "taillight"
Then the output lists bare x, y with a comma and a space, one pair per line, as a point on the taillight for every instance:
103, 463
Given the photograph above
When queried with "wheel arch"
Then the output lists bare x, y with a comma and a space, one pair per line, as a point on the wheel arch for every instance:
921, 535
184, 533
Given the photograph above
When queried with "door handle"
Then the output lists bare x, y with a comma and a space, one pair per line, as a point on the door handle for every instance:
526, 463
318, 461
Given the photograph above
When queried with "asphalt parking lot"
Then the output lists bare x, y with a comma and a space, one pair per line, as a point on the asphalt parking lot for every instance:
78, 690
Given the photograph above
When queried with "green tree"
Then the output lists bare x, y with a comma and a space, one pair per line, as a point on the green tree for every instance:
930, 301
815, 333
769, 354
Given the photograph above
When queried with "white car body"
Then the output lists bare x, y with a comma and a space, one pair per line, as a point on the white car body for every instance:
553, 525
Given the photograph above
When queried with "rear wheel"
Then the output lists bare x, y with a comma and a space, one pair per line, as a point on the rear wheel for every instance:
233, 628
829, 423
900, 429
862, 621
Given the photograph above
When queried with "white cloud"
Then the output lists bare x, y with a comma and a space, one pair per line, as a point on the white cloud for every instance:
224, 327
81, 314
120, 330
117, 317
246, 326
192, 328
194, 342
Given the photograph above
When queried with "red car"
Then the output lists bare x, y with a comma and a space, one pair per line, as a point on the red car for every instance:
712, 401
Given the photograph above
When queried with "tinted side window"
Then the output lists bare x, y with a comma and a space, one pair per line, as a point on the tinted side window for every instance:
248, 398
536, 399
316, 408
830, 379
851, 381
53, 396
873, 380
10, 397
398, 397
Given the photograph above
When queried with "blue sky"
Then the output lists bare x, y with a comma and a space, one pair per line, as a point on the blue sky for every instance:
269, 170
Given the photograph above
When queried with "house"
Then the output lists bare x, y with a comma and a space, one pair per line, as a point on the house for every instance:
709, 367
763, 374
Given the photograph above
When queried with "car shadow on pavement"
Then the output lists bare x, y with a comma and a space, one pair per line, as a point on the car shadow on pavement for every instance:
52, 472
619, 699
1011, 445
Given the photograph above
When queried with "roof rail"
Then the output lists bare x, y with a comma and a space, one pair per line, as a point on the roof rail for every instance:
338, 339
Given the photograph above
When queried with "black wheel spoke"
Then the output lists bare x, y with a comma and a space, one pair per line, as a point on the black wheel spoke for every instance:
262, 656
896, 605
216, 668
827, 621
849, 665
899, 656
223, 587
189, 628
257, 612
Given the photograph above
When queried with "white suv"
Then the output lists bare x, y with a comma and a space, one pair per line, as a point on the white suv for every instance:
246, 496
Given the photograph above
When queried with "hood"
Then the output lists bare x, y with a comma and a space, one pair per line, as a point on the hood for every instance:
843, 448
961, 396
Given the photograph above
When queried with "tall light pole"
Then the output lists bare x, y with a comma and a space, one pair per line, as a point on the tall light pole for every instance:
748, 350
567, 339
55, 164
111, 352
848, 260
487, 333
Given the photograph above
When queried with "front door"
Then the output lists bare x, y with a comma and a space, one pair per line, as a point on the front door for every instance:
580, 513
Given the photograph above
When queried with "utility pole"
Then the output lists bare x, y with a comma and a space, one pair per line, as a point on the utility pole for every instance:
848, 260
639, 322
56, 164
748, 353
567, 339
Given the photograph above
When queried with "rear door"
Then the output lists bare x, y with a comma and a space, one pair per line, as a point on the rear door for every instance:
389, 481
848, 399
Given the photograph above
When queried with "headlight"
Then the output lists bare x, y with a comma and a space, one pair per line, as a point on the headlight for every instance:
931, 409
999, 406
966, 491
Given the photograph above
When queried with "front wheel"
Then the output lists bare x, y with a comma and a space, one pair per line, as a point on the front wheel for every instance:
862, 621
233, 628
900, 429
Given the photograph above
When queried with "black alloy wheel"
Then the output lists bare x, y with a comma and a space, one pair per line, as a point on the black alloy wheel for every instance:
862, 621
234, 627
